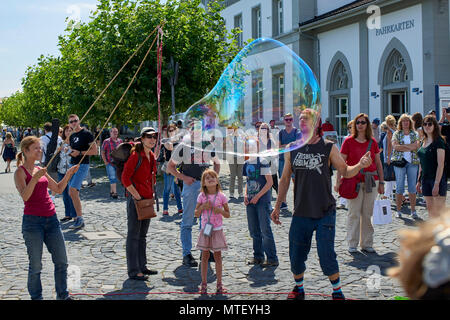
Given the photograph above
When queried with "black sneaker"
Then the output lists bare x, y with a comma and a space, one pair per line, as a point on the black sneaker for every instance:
150, 272
296, 294
189, 261
338, 295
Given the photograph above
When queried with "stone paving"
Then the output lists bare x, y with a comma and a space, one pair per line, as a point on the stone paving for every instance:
101, 262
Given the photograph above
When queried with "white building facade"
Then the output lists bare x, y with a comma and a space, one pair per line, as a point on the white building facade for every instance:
377, 57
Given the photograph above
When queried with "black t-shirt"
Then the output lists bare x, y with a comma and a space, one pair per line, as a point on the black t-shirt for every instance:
313, 197
80, 141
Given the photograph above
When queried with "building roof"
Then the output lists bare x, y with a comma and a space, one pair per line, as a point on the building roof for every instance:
347, 7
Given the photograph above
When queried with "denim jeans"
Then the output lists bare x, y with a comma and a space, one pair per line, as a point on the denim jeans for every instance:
300, 236
36, 231
169, 183
410, 170
111, 172
68, 204
189, 195
136, 245
258, 218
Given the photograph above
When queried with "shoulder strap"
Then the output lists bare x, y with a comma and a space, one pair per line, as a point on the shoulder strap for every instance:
368, 149
136, 168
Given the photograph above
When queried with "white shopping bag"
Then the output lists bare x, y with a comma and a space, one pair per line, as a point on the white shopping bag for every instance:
382, 213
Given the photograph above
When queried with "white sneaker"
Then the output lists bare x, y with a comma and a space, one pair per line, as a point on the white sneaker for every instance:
398, 214
414, 215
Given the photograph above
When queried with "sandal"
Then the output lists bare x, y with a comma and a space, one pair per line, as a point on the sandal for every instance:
204, 289
221, 289
114, 195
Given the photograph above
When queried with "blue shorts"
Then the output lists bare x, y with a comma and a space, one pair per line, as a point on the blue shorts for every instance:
111, 171
77, 179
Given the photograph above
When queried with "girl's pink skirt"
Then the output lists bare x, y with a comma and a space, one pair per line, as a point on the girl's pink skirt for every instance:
216, 242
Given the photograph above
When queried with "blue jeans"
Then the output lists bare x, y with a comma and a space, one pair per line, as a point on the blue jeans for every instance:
169, 183
68, 204
410, 170
111, 172
300, 235
189, 195
36, 231
258, 218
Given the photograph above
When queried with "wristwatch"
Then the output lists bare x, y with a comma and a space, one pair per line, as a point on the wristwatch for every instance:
381, 182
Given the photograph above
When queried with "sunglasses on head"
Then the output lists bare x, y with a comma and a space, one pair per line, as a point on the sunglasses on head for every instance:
361, 122
429, 124
73, 121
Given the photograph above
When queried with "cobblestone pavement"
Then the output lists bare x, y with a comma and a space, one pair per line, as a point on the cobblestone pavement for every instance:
102, 262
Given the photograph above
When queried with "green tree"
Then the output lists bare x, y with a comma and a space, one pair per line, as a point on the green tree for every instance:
93, 52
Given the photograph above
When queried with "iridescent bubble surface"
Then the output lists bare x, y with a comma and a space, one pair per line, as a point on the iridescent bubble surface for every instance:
265, 81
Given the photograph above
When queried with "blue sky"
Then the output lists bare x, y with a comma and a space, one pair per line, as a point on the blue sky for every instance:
29, 28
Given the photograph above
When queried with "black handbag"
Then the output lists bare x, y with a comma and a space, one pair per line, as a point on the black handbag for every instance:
399, 163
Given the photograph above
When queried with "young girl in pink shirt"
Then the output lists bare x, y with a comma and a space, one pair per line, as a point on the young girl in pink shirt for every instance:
212, 205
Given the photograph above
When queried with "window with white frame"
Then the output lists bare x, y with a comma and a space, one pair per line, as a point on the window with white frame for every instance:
278, 95
256, 23
280, 16
257, 96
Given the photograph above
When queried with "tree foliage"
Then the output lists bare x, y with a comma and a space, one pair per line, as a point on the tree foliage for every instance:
93, 52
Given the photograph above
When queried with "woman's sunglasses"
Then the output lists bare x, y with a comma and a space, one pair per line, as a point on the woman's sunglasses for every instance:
151, 136
361, 122
428, 124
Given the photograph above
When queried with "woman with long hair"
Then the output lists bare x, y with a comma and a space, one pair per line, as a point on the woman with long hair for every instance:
139, 182
40, 224
360, 210
432, 179
405, 142
63, 166
8, 151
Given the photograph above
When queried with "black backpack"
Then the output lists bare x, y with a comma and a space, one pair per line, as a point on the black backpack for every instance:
49, 152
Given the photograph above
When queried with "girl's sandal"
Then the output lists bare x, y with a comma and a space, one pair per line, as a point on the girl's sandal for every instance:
204, 289
221, 289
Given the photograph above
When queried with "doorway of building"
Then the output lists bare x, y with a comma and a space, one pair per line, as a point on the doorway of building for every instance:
398, 103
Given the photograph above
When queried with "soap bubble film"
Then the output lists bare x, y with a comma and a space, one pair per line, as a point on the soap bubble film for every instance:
265, 81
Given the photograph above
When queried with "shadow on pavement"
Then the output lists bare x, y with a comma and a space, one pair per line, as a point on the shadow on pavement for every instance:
363, 260
131, 290
261, 277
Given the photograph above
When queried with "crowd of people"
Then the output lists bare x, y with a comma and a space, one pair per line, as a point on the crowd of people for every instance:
374, 160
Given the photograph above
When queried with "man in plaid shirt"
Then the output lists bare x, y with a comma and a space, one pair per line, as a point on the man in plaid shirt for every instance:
109, 145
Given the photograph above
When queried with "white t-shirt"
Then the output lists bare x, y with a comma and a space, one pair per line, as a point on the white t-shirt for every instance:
45, 139
407, 155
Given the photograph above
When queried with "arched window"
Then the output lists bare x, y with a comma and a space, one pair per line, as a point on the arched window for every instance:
396, 68
339, 77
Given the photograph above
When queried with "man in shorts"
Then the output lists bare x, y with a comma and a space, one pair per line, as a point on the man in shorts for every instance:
80, 141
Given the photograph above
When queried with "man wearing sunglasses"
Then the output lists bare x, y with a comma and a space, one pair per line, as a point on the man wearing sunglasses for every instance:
286, 136
80, 141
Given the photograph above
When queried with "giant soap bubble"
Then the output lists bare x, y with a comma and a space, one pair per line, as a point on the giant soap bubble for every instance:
265, 81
